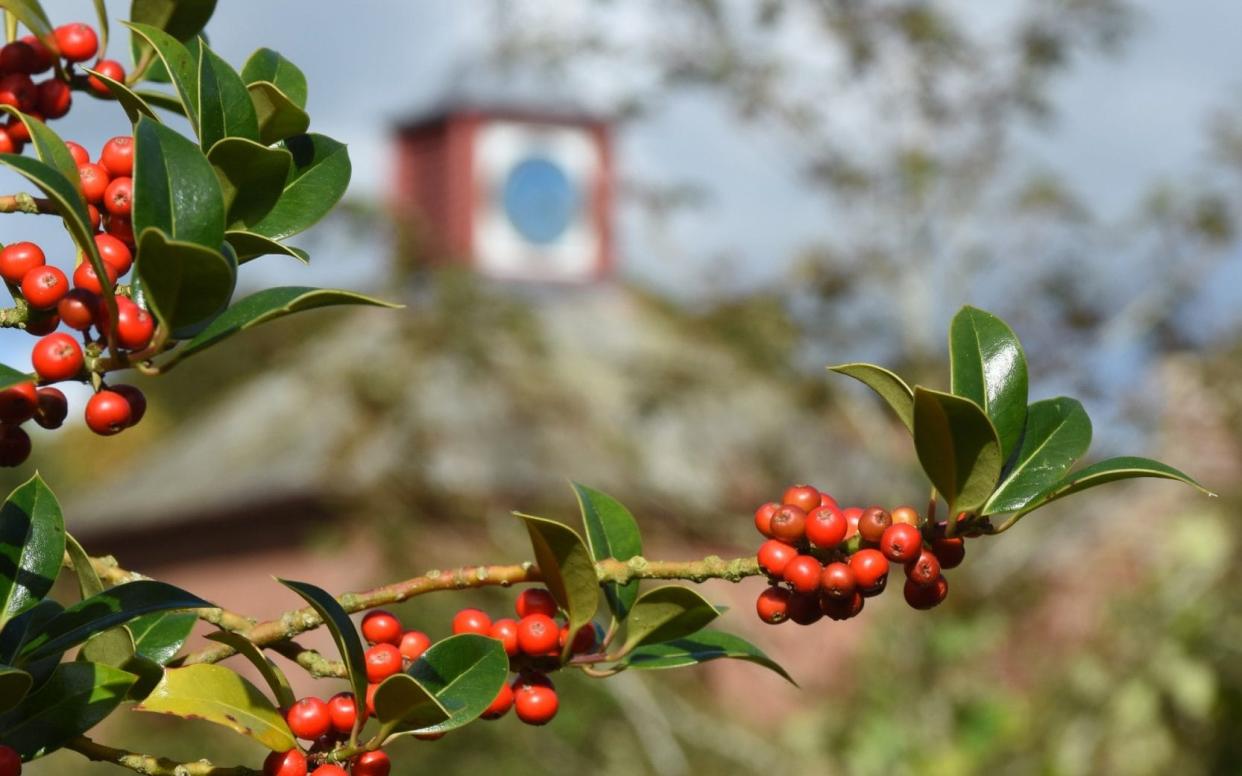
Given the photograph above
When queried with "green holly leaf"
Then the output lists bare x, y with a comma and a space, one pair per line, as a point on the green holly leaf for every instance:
402, 702
32, 546
279, 115
276, 680
251, 246
185, 284
611, 532
131, 102
989, 368
14, 684
224, 106
701, 647
270, 66
886, 384
666, 613
316, 182
957, 447
48, 146
73, 700
464, 674
252, 178
159, 636
179, 62
1058, 432
567, 569
1110, 470
175, 188
89, 583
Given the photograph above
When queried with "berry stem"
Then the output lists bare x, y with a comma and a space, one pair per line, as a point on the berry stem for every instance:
151, 765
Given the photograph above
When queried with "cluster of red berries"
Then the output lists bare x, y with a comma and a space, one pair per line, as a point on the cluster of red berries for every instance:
825, 560
53, 97
10, 761
533, 641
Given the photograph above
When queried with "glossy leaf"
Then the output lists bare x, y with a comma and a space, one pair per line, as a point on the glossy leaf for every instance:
156, 99
88, 581
666, 613
32, 546
215, 694
268, 305
184, 284
276, 680
464, 673
888, 385
251, 246
31, 14
14, 684
957, 448
131, 102
224, 106
989, 368
76, 698
343, 630
112, 647
401, 702
1111, 470
179, 63
158, 637
698, 648
279, 115
182, 19
316, 182
567, 569
175, 188
113, 607
270, 66
611, 532
1058, 432
24, 626
48, 146
252, 178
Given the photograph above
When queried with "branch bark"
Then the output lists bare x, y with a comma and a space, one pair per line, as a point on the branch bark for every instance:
150, 765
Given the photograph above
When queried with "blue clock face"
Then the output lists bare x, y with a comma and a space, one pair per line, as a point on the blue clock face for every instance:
540, 200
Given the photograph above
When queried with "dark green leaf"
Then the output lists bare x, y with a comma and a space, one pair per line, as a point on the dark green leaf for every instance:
224, 106
32, 546
185, 284
279, 116
666, 613
25, 625
888, 385
699, 648
215, 694
75, 699
169, 102
132, 103
31, 14
401, 702
464, 673
14, 684
250, 246
10, 377
175, 187
179, 63
1111, 470
113, 607
1057, 433
268, 65
88, 581
48, 146
316, 182
182, 19
270, 304
271, 673
957, 448
989, 368
344, 633
159, 636
567, 569
112, 647
611, 532
252, 178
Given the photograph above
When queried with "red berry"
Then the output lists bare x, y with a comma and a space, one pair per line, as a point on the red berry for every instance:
374, 763
77, 41
44, 287
773, 605
472, 621
842, 608
803, 497
774, 555
529, 679
383, 660
18, 90
414, 644
84, 277
371, 688
77, 309
290, 763
505, 631
584, 639
18, 403
343, 712
901, 543
118, 196
923, 570
43, 59
535, 600
870, 571
14, 445
19, 258
45, 324
872, 523
803, 574
107, 413
538, 634
535, 705
57, 357
308, 718
329, 769
52, 408
804, 609
7, 144
926, 596
117, 156
96, 219
17, 128
826, 527
137, 402
763, 518
789, 524
94, 182
381, 627
122, 229
837, 581
114, 252
18, 57
852, 515
950, 552
906, 514
54, 98
501, 705
79, 154
110, 68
